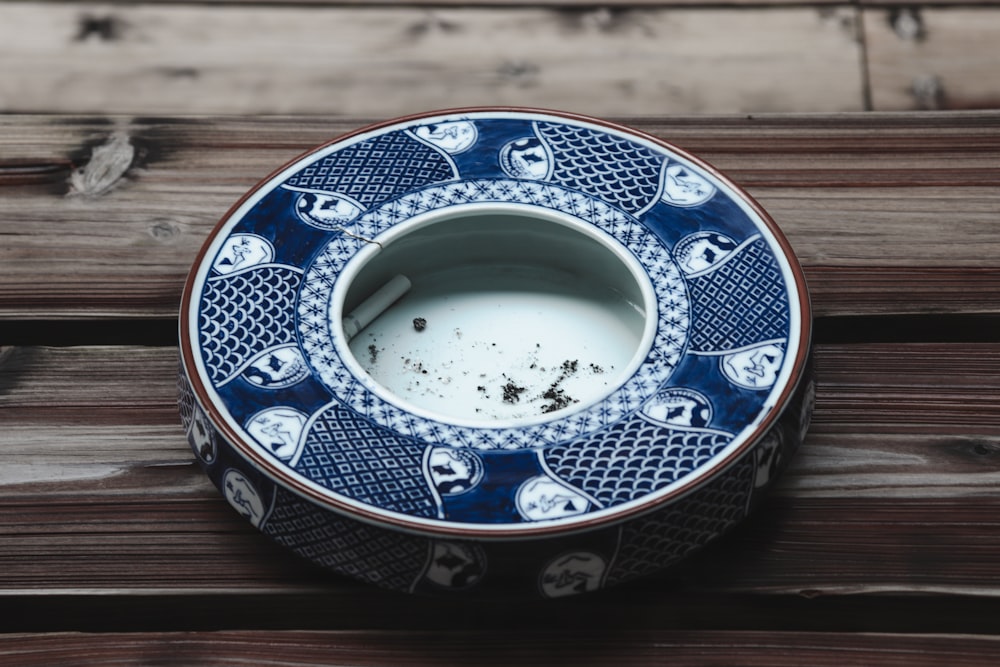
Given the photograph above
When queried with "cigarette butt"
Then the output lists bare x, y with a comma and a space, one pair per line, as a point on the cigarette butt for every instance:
375, 305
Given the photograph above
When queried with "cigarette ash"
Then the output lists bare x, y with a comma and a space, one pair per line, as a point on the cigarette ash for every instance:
528, 384
512, 392
553, 398
556, 395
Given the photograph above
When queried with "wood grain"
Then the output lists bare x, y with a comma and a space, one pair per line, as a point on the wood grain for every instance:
878, 546
368, 60
894, 493
923, 57
413, 649
392, 57
889, 214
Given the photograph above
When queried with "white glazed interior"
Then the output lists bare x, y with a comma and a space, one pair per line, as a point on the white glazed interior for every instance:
528, 314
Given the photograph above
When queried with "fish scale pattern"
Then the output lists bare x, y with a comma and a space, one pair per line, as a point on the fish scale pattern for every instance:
375, 170
621, 172
243, 314
632, 459
389, 559
741, 302
367, 462
670, 287
654, 542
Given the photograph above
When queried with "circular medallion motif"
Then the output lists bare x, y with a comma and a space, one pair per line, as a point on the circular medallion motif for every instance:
316, 333
722, 343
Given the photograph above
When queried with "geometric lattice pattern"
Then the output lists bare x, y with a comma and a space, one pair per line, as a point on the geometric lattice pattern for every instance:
366, 450
375, 170
386, 558
185, 400
664, 275
243, 314
661, 538
632, 459
619, 171
355, 458
741, 302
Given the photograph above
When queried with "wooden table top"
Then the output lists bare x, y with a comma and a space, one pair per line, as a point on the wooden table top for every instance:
881, 544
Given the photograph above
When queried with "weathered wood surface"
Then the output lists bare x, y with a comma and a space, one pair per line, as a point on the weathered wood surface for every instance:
392, 57
100, 496
889, 214
301, 649
889, 514
879, 546
183, 58
933, 57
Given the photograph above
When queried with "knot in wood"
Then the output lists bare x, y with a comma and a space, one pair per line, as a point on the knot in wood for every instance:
107, 165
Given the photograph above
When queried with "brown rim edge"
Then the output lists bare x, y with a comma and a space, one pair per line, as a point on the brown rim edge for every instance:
283, 478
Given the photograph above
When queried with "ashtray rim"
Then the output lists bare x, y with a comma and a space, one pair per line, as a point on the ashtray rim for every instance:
317, 494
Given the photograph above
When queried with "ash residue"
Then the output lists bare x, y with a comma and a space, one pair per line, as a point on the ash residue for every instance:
512, 392
414, 366
419, 323
555, 395
558, 399
372, 353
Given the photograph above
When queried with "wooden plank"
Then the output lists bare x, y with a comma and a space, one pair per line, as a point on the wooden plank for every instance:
368, 60
894, 492
610, 5
937, 3
922, 388
489, 647
932, 57
871, 203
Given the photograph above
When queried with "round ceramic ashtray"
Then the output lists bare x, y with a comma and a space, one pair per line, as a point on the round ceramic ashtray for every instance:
495, 349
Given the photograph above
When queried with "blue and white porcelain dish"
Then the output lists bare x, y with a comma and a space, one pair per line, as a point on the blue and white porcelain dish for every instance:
498, 349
